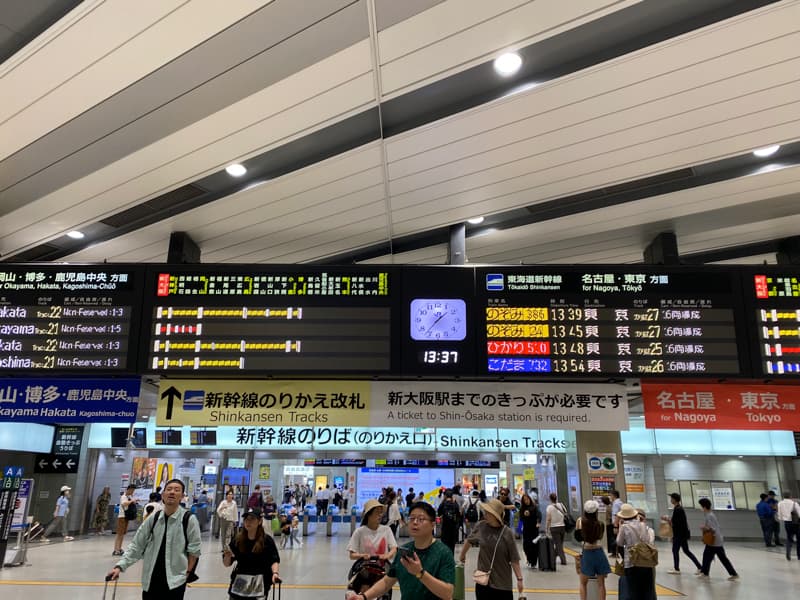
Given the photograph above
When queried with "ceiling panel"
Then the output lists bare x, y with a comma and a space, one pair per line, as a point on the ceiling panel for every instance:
459, 33
325, 92
81, 65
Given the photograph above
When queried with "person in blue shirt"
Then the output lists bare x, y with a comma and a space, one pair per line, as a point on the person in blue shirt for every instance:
776, 526
766, 518
60, 516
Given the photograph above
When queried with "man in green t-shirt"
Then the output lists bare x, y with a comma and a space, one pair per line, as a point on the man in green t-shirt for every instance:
425, 568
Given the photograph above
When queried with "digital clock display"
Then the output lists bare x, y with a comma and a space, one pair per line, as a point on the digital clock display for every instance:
439, 357
439, 332
637, 321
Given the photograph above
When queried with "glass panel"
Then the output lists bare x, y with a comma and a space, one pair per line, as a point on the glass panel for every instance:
687, 494
753, 489
740, 497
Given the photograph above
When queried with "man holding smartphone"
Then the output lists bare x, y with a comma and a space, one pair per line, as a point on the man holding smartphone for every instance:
425, 568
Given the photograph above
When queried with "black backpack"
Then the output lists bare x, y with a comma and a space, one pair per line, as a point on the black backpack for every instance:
471, 515
385, 516
450, 512
130, 512
192, 576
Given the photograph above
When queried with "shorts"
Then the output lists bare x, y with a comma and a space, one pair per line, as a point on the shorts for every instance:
594, 563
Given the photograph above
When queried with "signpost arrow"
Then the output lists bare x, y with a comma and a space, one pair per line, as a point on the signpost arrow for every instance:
56, 463
170, 395
43, 463
70, 463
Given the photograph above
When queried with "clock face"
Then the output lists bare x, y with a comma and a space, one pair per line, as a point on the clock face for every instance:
438, 320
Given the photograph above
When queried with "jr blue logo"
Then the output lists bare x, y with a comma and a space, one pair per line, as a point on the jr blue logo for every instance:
495, 282
193, 399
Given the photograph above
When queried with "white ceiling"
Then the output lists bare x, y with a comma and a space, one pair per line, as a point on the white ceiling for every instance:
716, 92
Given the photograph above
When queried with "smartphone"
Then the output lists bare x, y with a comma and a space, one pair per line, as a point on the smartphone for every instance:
405, 552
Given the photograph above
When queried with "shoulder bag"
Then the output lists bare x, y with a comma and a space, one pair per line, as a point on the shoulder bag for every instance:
708, 537
482, 577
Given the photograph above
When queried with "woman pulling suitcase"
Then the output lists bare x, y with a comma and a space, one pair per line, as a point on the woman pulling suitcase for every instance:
256, 557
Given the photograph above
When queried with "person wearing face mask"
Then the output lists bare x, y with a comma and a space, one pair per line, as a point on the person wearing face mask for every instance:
168, 544
256, 557
60, 516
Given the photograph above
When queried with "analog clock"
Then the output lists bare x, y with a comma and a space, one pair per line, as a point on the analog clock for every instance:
438, 319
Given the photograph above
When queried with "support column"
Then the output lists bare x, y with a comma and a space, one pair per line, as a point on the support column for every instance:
182, 249
599, 443
663, 250
789, 251
457, 248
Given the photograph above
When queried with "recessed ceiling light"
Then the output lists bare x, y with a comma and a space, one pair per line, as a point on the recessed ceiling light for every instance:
236, 170
475, 221
507, 64
767, 151
76, 235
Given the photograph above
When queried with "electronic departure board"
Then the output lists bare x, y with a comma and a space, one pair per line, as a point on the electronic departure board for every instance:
69, 318
168, 437
239, 320
202, 437
605, 321
773, 295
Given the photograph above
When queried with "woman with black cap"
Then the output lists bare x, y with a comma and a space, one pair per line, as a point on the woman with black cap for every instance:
256, 557
497, 555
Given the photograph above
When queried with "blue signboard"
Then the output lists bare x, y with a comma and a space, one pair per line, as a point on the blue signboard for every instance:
69, 400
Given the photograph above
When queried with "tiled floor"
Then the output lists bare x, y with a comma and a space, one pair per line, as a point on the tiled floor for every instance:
318, 570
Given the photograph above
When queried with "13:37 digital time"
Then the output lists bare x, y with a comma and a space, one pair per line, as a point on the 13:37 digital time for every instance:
439, 357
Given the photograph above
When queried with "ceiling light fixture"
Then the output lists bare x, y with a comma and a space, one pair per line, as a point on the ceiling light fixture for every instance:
236, 170
475, 221
76, 235
767, 151
507, 64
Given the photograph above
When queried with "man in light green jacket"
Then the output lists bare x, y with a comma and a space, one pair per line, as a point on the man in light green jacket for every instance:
169, 553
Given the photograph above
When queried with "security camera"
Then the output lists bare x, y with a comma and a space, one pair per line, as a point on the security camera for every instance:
118, 458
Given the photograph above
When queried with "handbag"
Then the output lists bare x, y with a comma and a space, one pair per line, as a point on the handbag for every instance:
664, 529
708, 537
619, 568
482, 577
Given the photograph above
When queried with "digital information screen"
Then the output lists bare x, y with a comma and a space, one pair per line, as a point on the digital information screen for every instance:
68, 318
168, 437
776, 305
278, 320
438, 329
202, 437
637, 321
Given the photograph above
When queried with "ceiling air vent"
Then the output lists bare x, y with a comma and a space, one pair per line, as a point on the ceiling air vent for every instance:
153, 210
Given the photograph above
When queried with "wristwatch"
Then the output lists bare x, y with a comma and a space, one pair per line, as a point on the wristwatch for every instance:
420, 574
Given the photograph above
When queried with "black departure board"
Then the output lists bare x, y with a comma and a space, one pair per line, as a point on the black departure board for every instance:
69, 318
168, 437
633, 321
202, 437
269, 320
773, 302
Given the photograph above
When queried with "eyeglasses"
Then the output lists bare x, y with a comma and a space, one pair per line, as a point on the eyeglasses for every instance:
417, 519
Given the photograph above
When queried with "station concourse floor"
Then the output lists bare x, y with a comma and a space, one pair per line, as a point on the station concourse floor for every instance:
319, 568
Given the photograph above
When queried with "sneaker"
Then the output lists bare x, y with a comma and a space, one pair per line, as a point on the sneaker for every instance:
68, 538
734, 578
698, 572
703, 577
674, 571
44, 540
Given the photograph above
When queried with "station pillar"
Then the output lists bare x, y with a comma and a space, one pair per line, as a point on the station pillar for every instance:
600, 464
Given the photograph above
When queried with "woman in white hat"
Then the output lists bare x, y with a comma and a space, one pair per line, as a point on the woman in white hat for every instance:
60, 516
372, 538
640, 580
594, 562
497, 555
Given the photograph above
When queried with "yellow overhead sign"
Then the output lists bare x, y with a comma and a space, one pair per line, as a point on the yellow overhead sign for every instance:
269, 403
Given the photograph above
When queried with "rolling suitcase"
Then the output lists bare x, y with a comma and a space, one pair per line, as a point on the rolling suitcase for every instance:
547, 554
276, 589
114, 590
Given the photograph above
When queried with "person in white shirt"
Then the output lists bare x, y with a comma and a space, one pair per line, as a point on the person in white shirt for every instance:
372, 538
789, 513
228, 514
555, 528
